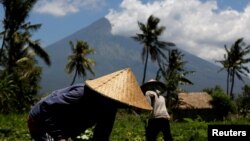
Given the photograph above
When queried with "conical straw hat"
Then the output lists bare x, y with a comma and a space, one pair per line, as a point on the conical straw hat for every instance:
121, 86
153, 83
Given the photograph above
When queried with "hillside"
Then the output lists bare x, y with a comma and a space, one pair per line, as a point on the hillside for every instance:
117, 52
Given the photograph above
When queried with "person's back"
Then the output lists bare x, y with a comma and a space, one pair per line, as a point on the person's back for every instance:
58, 100
159, 105
71, 110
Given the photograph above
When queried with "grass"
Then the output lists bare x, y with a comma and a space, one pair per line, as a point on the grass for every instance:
127, 127
13, 127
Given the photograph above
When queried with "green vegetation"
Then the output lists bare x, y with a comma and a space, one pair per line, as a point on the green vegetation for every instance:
174, 75
128, 127
234, 63
151, 44
78, 61
222, 104
242, 101
19, 72
13, 127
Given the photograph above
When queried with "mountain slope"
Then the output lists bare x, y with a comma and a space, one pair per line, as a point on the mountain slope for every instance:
117, 52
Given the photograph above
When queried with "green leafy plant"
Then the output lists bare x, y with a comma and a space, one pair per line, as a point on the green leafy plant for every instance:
87, 135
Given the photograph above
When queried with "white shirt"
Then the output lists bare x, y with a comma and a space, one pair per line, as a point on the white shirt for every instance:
159, 105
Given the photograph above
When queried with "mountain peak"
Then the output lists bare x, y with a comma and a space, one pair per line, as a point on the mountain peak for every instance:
101, 26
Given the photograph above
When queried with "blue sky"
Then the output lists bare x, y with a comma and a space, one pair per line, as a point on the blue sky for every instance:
201, 27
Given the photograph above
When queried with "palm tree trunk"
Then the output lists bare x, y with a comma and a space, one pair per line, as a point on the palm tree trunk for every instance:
11, 58
145, 67
160, 69
2, 46
232, 84
73, 81
228, 72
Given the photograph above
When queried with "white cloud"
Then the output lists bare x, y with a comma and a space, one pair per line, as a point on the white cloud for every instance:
64, 7
197, 27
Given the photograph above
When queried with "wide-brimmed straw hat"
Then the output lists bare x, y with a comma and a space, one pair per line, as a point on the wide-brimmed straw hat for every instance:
153, 84
121, 86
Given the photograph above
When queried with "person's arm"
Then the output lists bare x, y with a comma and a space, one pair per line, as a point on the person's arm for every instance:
104, 126
150, 95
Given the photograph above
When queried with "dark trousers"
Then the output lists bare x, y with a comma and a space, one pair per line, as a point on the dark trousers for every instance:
157, 125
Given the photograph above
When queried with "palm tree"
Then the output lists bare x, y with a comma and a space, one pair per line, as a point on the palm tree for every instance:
151, 44
17, 32
78, 60
238, 60
25, 45
226, 65
18, 50
234, 62
174, 75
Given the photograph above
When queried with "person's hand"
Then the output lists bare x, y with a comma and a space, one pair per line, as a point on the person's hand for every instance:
151, 95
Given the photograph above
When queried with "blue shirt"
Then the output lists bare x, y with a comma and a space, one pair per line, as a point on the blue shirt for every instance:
71, 110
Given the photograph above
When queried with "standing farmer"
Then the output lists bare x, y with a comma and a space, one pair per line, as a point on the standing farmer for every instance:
159, 118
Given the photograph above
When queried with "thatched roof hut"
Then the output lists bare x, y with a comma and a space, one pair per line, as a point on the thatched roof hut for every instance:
192, 105
194, 100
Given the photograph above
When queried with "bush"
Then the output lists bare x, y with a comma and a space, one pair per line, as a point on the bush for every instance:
7, 88
190, 130
222, 105
243, 101
18, 90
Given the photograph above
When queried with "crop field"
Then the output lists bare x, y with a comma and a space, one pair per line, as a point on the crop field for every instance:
127, 127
